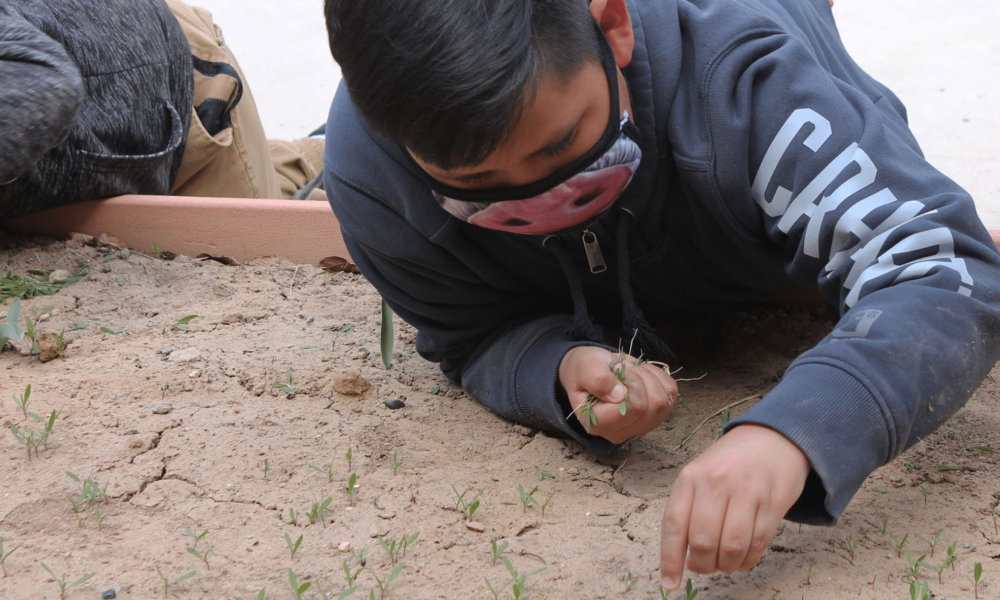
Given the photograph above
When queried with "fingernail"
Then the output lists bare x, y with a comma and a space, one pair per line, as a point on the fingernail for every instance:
667, 583
618, 393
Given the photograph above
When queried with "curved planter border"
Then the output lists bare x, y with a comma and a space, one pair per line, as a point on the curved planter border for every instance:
299, 230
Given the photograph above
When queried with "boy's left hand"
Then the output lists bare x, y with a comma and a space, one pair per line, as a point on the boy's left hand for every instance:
727, 503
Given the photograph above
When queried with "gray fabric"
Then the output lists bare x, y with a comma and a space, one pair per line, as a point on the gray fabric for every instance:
95, 100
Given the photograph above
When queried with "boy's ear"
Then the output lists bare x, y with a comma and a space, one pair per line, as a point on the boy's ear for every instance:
613, 17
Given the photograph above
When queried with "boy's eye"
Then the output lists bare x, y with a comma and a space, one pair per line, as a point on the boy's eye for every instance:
562, 146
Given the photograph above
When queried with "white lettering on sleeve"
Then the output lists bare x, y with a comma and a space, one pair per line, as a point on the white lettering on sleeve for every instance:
779, 146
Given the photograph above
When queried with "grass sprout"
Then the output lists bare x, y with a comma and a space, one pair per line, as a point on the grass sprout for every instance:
293, 547
383, 585
63, 586
496, 550
3, 556
293, 583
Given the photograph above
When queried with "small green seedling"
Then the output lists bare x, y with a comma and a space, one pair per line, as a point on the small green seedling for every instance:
383, 586
159, 253
392, 548
3, 556
629, 581
951, 557
664, 594
983, 449
496, 550
292, 546
722, 425
328, 471
349, 576
435, 390
933, 541
350, 459
527, 498
899, 543
976, 579
690, 593
292, 517
919, 591
351, 489
318, 511
297, 590
687, 434
914, 565
923, 492
360, 555
285, 386
518, 580
63, 586
467, 508
99, 518
809, 573
851, 545
267, 467
179, 324
496, 591
396, 463
115, 331
90, 491
545, 505
885, 523
261, 595
23, 400
542, 475
202, 556
196, 537
948, 468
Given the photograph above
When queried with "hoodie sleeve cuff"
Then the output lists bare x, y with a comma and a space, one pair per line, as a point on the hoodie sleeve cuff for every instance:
540, 398
837, 423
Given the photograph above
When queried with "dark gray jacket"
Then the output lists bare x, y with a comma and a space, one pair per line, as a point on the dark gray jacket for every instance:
95, 100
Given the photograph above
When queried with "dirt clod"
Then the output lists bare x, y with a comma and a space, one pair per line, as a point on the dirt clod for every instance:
350, 384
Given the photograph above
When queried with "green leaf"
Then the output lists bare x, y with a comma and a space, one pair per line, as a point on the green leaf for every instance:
346, 328
622, 408
121, 280
388, 335
79, 327
435, 390
184, 577
985, 449
346, 593
81, 580
946, 468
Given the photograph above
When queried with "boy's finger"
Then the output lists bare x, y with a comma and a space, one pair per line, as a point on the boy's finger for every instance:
765, 524
737, 533
705, 530
673, 535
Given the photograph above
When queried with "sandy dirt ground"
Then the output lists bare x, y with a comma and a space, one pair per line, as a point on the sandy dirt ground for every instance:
187, 430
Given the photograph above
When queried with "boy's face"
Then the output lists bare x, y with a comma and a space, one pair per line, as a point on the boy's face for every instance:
565, 119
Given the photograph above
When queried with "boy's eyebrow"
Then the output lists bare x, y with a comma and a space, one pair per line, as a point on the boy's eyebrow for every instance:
558, 140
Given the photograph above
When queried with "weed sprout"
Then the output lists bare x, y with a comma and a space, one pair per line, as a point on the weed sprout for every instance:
292, 546
383, 586
3, 557
63, 586
293, 583
975, 580
496, 550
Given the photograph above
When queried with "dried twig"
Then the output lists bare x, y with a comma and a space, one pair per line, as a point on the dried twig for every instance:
713, 415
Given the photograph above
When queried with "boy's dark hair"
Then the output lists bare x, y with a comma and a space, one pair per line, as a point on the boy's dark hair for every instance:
449, 79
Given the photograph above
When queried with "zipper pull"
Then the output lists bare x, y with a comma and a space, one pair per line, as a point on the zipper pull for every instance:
593, 250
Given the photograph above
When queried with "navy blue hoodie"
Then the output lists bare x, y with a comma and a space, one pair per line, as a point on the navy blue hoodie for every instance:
769, 158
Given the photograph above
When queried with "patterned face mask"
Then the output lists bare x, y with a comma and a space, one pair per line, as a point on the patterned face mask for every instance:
572, 196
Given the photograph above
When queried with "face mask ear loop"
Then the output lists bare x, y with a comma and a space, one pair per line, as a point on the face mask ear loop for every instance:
582, 328
647, 343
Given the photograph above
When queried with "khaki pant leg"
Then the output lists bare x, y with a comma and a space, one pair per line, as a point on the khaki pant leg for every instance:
296, 164
235, 162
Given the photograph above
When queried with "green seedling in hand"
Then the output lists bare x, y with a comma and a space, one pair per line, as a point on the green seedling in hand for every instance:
202, 556
383, 586
63, 586
292, 546
496, 551
3, 556
179, 324
328, 471
349, 576
350, 459
23, 400
975, 580
527, 498
933, 540
285, 386
851, 545
689, 592
899, 543
396, 463
360, 555
297, 590
352, 488
518, 580
318, 511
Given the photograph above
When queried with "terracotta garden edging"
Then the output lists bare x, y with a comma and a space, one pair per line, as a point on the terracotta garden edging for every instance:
301, 231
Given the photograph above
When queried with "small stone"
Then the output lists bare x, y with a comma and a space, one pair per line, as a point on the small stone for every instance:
185, 356
359, 354
108, 594
573, 471
149, 323
475, 526
162, 408
523, 430
181, 258
379, 531
59, 276
386, 514
274, 576
27, 344
136, 444
310, 320
166, 351
350, 384
195, 374
344, 547
394, 404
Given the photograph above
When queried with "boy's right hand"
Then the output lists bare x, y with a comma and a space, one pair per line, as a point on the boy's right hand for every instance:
585, 371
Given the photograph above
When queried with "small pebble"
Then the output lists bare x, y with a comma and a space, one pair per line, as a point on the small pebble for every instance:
166, 351
194, 374
108, 594
394, 404
162, 408
274, 576
386, 514
344, 547
59, 276
149, 323
475, 526
184, 356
